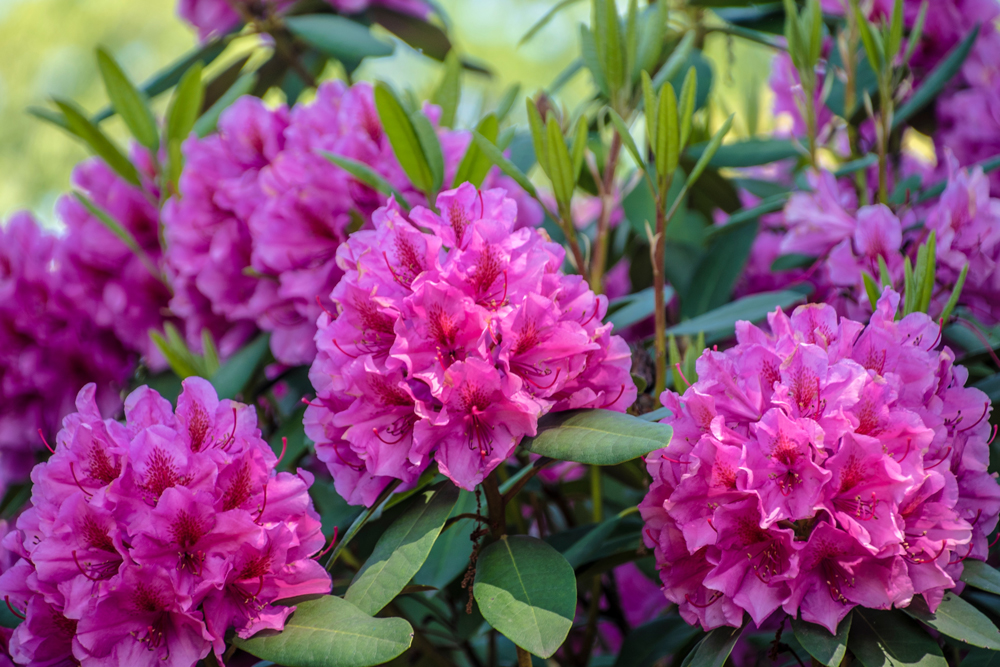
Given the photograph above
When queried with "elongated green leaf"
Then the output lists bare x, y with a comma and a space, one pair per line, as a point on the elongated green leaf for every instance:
607, 40
871, 289
958, 619
130, 104
752, 308
649, 101
868, 41
98, 142
431, 147
583, 549
405, 143
895, 31
890, 639
709, 153
185, 105
689, 95
792, 261
640, 306
450, 555
447, 94
747, 153
475, 165
622, 129
544, 21
714, 649
821, 645
50, 116
560, 164
749, 216
934, 83
916, 32
648, 643
596, 437
579, 147
717, 272
210, 119
341, 38
331, 632
234, 375
667, 152
527, 591
676, 60
120, 232
180, 362
402, 549
506, 166
506, 102
366, 175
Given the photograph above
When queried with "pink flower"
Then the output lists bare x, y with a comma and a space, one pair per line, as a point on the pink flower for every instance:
818, 466
451, 343
159, 535
50, 347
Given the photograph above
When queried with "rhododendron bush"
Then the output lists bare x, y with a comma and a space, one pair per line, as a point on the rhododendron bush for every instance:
324, 371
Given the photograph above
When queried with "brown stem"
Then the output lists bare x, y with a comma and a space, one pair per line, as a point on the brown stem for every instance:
523, 658
496, 506
660, 308
606, 192
519, 484
592, 614
282, 44
566, 224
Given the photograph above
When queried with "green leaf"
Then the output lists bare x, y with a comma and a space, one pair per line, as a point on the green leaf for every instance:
979, 657
916, 32
956, 292
450, 555
527, 591
895, 32
821, 645
448, 92
792, 261
210, 119
709, 152
402, 549
607, 40
210, 353
544, 21
506, 102
753, 308
579, 148
338, 37
331, 632
431, 147
639, 306
667, 132
871, 289
648, 643
369, 177
180, 362
676, 61
890, 639
689, 95
717, 272
596, 437
90, 134
475, 165
868, 40
622, 129
560, 165
714, 649
506, 166
403, 137
234, 375
942, 74
958, 619
748, 216
50, 116
581, 551
130, 104
121, 233
185, 105
747, 153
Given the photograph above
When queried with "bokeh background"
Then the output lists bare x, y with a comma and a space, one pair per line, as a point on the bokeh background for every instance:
47, 50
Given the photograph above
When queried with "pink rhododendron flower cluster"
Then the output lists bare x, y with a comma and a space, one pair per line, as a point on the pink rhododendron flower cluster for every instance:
452, 342
253, 238
49, 347
122, 291
819, 466
217, 17
146, 541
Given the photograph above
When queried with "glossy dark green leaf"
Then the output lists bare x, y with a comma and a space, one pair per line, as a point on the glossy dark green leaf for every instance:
450, 555
828, 649
209, 120
751, 308
710, 150
717, 272
90, 134
792, 261
402, 549
958, 619
714, 649
890, 639
747, 153
749, 216
596, 437
422, 35
234, 375
934, 83
980, 657
405, 142
583, 550
338, 37
527, 591
978, 574
331, 632
130, 104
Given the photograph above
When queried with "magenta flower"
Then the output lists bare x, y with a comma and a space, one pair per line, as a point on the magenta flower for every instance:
818, 466
160, 535
451, 343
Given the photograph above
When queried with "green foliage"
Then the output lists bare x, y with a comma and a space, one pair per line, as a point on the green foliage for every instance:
828, 649
596, 437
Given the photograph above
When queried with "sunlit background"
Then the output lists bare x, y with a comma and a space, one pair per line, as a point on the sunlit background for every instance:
47, 50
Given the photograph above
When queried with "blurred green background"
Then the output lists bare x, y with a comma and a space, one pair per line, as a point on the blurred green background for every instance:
47, 49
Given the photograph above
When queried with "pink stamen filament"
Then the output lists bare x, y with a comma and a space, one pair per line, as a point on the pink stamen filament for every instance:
681, 373
343, 351
315, 405
620, 392
6, 600
260, 513
323, 308
394, 276
72, 471
711, 601
45, 442
325, 550
986, 408
284, 448
80, 567
942, 460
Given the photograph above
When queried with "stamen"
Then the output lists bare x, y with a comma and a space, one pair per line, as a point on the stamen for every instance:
994, 542
942, 460
923, 561
343, 351
390, 442
967, 554
323, 308
325, 550
597, 307
260, 513
711, 601
678, 366
45, 442
993, 437
231, 438
482, 206
260, 587
527, 378
979, 513
72, 471
909, 443
79, 567
620, 392
6, 600
284, 448
986, 408
306, 401
394, 276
